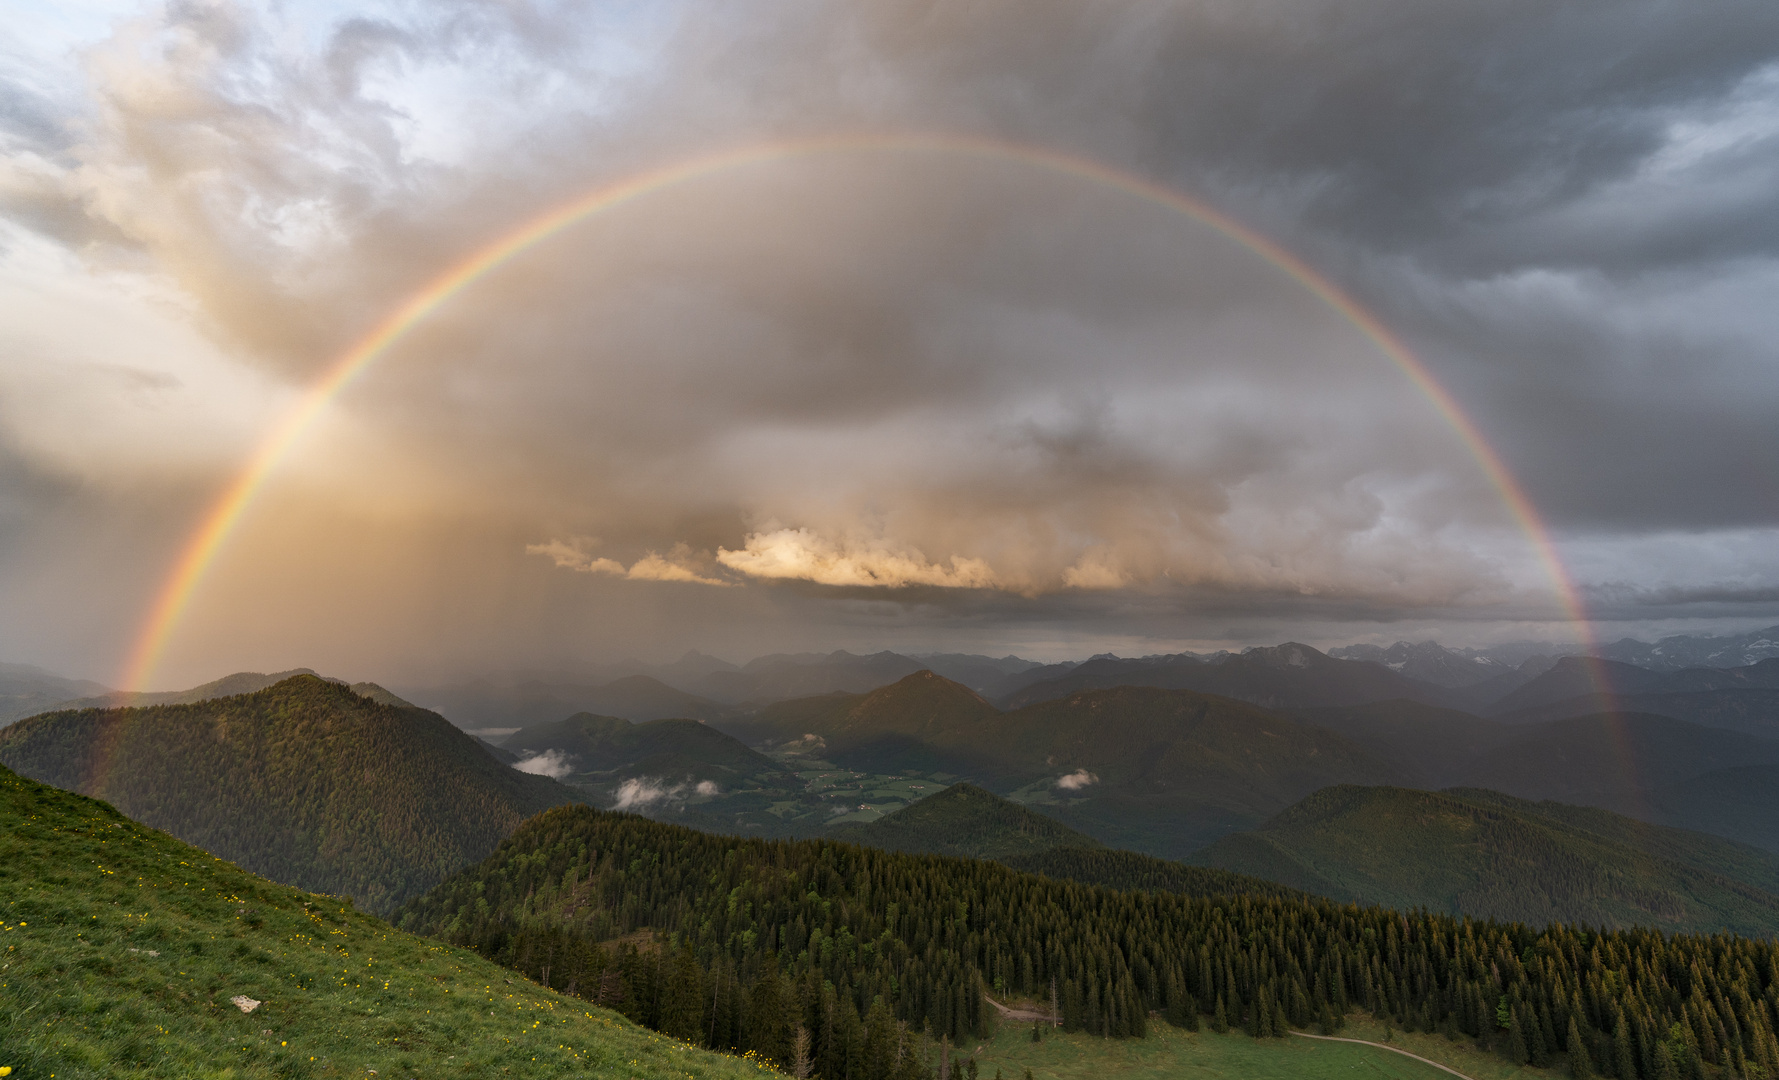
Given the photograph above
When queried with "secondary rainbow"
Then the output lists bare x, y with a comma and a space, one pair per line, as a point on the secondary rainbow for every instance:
226, 513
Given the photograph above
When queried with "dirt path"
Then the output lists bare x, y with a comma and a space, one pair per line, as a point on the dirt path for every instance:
1383, 1046
1023, 1014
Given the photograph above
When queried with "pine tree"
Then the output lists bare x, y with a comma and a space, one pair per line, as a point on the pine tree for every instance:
1580, 1066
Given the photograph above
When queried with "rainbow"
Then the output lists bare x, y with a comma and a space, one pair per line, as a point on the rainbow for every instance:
225, 514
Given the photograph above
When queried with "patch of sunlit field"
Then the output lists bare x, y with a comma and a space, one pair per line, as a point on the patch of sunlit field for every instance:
1170, 1053
123, 952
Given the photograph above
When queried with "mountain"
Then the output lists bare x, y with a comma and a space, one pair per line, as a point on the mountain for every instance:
1161, 771
26, 691
1490, 856
305, 782
498, 702
1687, 651
125, 950
1428, 661
604, 752
241, 682
1287, 676
965, 820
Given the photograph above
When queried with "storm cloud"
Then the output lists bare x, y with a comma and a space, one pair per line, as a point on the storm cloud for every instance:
893, 393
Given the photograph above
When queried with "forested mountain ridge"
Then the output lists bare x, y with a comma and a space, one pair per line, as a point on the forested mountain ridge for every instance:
305, 782
125, 947
1491, 856
758, 937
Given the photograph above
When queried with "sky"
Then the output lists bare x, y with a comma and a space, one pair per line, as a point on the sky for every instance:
957, 367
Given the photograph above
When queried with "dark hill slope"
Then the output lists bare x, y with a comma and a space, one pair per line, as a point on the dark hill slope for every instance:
1490, 856
603, 751
1286, 676
965, 820
305, 782
124, 946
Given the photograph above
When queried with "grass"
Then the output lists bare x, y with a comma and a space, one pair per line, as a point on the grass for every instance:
1170, 1052
121, 949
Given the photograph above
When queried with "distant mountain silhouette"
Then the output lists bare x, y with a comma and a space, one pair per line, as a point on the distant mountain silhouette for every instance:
1429, 662
1693, 651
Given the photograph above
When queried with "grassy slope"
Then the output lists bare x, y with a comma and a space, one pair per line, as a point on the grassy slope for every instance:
965, 820
1169, 1052
120, 948
305, 782
1495, 857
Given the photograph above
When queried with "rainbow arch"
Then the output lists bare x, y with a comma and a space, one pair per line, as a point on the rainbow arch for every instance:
226, 512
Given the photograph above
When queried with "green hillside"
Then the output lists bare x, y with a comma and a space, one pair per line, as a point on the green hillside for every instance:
123, 948
1492, 856
965, 820
755, 938
305, 782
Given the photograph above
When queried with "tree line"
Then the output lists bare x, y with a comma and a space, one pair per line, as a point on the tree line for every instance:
857, 964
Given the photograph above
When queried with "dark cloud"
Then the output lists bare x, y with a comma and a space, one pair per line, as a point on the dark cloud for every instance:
921, 393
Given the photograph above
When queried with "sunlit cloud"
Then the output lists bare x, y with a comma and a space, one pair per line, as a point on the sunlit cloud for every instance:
799, 554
